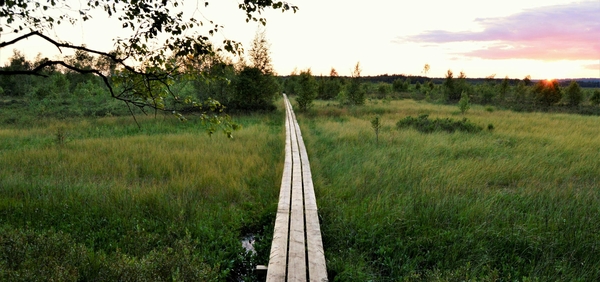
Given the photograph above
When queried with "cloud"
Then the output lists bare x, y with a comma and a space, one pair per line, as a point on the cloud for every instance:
592, 66
561, 32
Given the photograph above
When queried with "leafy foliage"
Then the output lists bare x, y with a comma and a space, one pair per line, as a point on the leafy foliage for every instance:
400, 85
547, 92
207, 77
259, 53
503, 89
331, 86
290, 83
527, 80
355, 92
28, 255
455, 87
142, 68
464, 105
376, 124
450, 87
254, 90
595, 99
383, 89
147, 19
426, 125
574, 94
307, 90
486, 92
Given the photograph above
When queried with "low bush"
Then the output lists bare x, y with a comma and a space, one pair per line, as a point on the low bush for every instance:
33, 255
307, 90
426, 125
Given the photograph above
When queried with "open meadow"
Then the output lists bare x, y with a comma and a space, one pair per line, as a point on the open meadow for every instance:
518, 203
100, 200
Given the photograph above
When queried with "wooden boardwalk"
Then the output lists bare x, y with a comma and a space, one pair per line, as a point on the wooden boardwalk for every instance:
297, 248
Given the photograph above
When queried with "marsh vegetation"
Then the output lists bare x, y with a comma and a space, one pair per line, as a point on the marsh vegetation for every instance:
515, 203
409, 186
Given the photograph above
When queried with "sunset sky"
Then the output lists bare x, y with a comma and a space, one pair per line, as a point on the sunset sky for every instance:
544, 39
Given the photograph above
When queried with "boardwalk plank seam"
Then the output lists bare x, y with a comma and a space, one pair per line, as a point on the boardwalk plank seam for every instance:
297, 248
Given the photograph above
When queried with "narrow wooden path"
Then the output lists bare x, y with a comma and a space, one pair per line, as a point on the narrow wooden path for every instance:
297, 248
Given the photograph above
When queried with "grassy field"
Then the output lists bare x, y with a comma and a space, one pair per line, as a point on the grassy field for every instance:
97, 199
101, 200
518, 203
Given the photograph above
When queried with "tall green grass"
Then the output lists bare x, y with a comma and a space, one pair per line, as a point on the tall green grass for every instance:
102, 200
520, 202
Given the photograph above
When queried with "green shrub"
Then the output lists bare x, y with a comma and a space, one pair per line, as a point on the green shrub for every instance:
48, 255
383, 89
355, 93
464, 105
426, 125
307, 90
331, 88
400, 85
595, 99
376, 125
26, 255
574, 94
547, 92
213, 82
255, 91
486, 93
290, 83
455, 87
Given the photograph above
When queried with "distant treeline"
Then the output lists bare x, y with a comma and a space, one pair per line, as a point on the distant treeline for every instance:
60, 92
390, 78
65, 93
517, 94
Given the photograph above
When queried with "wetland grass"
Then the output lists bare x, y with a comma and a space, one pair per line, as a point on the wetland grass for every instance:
520, 202
114, 202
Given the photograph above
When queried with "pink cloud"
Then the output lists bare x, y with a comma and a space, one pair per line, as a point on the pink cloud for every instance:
562, 32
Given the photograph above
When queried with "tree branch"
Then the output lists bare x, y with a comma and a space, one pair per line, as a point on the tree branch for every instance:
60, 45
25, 36
37, 71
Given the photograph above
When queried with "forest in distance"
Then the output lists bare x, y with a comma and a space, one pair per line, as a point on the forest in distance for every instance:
65, 93
389, 78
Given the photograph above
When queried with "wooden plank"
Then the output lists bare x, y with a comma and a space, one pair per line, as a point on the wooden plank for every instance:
286, 181
297, 240
317, 268
297, 247
278, 258
277, 269
310, 200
